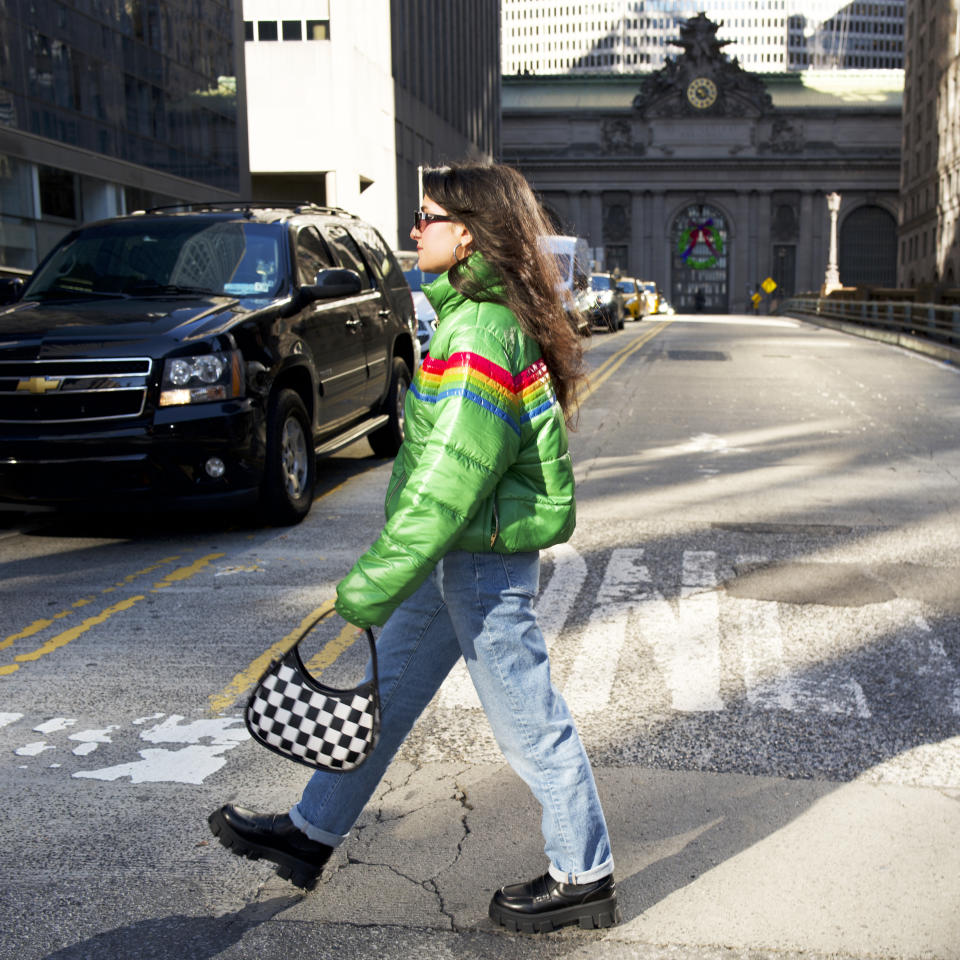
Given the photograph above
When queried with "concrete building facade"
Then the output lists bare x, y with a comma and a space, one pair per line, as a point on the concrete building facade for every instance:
347, 100
704, 177
108, 107
929, 255
629, 36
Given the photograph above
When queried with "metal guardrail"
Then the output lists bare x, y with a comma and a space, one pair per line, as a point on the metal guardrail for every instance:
931, 321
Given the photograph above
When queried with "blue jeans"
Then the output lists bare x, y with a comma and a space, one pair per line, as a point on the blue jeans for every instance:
479, 606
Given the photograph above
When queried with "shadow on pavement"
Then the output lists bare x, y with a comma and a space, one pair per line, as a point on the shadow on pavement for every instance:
175, 937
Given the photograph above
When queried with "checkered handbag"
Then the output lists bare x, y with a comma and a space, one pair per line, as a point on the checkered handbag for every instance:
300, 718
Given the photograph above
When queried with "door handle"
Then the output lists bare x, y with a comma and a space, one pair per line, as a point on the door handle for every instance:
384, 314
354, 323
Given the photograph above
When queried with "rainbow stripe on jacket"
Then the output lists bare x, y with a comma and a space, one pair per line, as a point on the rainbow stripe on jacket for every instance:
514, 399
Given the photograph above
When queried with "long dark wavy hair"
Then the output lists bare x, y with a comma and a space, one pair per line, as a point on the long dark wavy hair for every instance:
498, 207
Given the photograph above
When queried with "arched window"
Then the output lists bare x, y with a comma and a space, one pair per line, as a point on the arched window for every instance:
868, 248
699, 258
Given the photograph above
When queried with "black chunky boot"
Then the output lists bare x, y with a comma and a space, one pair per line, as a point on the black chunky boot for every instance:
271, 837
546, 904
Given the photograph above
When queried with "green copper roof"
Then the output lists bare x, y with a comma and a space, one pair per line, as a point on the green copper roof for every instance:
833, 89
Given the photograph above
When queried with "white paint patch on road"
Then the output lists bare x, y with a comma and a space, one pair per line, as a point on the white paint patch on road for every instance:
54, 725
220, 730
193, 764
7, 718
89, 740
153, 716
33, 749
190, 765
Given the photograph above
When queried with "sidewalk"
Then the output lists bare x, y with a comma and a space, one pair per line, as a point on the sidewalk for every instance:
708, 865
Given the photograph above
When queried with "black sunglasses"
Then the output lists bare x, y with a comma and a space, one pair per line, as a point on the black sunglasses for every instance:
420, 219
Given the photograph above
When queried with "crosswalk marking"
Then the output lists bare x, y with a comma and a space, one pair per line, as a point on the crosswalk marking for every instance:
590, 682
773, 658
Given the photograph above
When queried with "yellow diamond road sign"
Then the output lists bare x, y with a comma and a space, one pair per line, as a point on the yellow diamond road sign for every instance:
769, 285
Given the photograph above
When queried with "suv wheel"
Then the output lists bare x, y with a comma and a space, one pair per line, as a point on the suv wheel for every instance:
290, 470
386, 441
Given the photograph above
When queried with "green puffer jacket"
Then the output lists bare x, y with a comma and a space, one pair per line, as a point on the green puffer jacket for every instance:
484, 465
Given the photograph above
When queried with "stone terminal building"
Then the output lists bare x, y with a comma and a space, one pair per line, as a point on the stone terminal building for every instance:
705, 177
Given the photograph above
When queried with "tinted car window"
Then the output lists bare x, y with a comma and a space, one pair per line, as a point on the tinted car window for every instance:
312, 256
378, 254
600, 282
348, 252
140, 258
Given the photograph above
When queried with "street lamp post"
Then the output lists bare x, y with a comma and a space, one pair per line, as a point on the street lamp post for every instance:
831, 280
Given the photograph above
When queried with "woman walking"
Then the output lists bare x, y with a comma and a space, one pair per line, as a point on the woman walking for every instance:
482, 483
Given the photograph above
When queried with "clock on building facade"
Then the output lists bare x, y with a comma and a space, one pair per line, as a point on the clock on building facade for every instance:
702, 93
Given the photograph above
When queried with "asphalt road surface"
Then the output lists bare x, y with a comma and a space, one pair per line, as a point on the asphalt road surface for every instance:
756, 624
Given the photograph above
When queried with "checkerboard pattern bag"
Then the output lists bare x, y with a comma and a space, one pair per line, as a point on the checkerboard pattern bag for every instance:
300, 718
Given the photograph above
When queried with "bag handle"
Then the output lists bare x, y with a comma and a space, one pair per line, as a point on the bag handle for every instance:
322, 615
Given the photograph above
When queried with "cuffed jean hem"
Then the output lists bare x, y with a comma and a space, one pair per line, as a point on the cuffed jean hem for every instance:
597, 873
315, 833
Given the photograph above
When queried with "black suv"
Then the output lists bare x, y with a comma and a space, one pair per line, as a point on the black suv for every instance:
202, 354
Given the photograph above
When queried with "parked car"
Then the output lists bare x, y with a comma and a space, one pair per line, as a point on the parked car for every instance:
426, 315
634, 299
601, 301
203, 355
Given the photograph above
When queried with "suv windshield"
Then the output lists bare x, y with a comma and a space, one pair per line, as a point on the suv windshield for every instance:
600, 282
162, 257
626, 286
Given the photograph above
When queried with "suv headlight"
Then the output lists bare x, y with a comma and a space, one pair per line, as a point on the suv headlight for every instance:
604, 296
211, 376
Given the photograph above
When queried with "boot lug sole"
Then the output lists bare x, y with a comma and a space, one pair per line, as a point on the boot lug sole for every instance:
588, 916
299, 873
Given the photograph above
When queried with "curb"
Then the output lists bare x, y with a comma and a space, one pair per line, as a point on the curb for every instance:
939, 351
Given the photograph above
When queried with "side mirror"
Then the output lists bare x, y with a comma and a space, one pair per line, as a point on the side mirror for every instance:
333, 283
11, 289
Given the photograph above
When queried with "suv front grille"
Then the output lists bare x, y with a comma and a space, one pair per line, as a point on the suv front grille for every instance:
70, 391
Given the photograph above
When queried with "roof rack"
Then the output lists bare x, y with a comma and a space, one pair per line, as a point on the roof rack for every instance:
247, 207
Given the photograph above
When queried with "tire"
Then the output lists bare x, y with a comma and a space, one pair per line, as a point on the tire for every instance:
290, 470
387, 439
621, 316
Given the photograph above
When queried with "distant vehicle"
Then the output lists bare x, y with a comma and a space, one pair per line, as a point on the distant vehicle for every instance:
572, 258
665, 307
634, 298
652, 296
204, 354
426, 315
602, 302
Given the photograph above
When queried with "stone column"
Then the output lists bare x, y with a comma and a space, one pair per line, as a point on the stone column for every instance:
806, 276
831, 280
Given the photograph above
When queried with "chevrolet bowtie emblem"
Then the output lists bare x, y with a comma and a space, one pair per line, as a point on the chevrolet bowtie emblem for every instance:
40, 384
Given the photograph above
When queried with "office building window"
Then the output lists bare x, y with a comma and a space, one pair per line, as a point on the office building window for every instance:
247, 29
267, 29
58, 193
292, 30
318, 29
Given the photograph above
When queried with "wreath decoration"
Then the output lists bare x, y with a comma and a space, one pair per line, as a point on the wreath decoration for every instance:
700, 245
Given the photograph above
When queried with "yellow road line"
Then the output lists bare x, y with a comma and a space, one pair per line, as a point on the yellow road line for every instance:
612, 364
247, 677
328, 655
67, 636
39, 625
